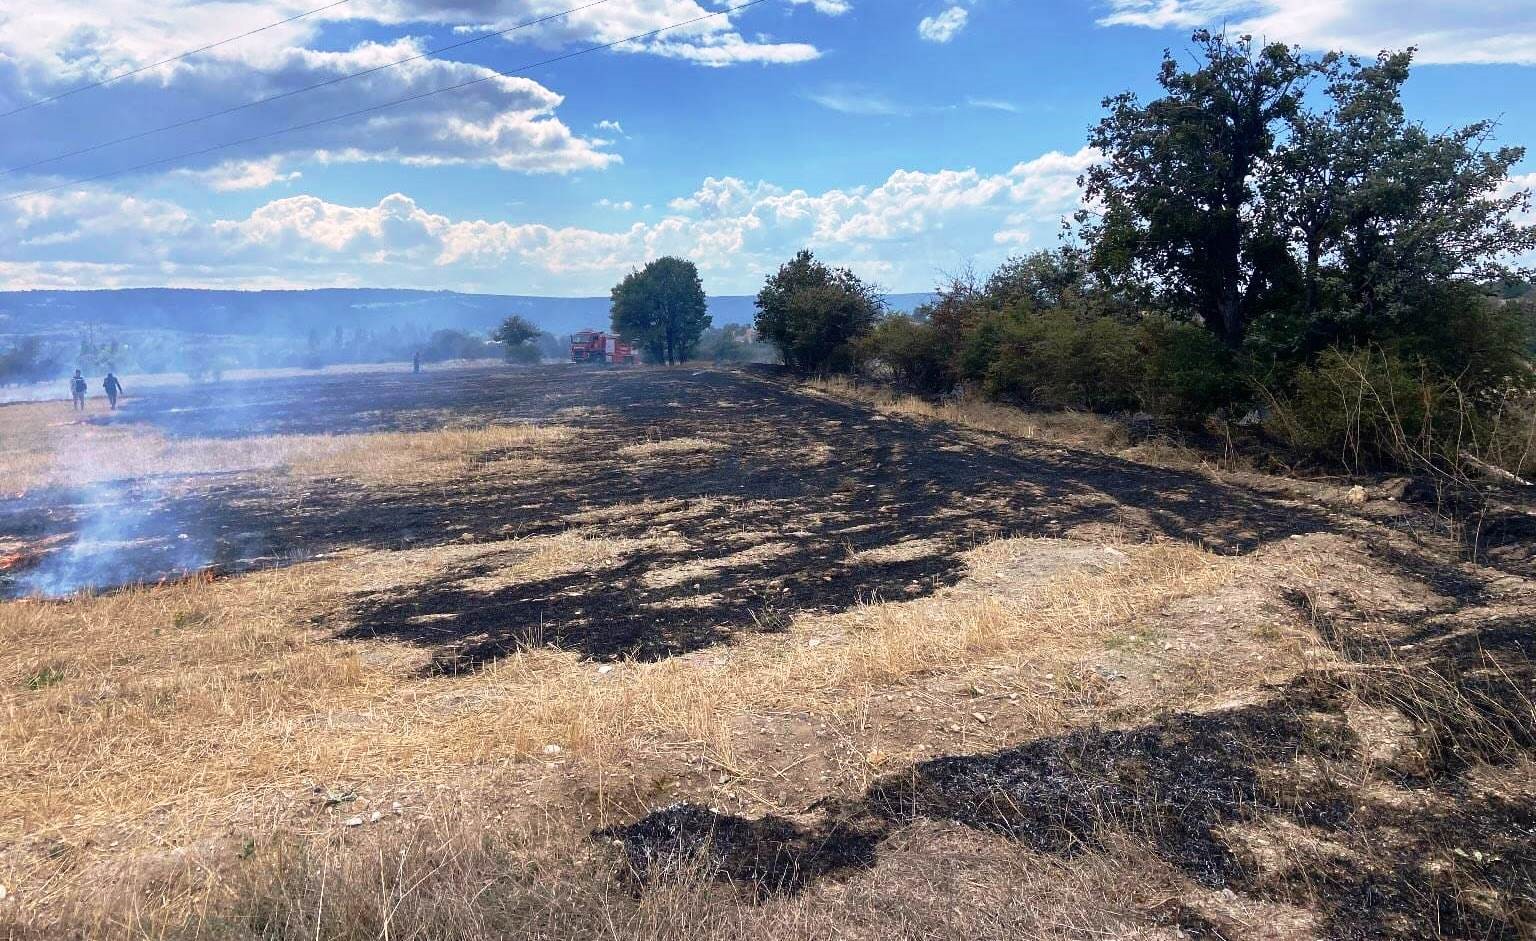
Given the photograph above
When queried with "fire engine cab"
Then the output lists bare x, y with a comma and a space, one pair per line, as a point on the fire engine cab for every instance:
594, 346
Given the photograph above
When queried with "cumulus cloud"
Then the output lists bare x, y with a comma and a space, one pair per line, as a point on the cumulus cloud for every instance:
829, 7
1446, 32
234, 175
716, 41
945, 26
735, 229
507, 122
70, 41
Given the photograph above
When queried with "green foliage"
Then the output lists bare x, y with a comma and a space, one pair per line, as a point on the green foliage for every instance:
911, 352
1178, 181
517, 335
453, 344
815, 315
1039, 280
1053, 359
1190, 375
662, 309
515, 330
1230, 202
48, 676
1369, 408
1484, 343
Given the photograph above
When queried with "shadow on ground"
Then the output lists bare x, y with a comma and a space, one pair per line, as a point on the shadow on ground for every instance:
1460, 864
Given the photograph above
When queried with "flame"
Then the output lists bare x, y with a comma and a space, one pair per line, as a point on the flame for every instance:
17, 560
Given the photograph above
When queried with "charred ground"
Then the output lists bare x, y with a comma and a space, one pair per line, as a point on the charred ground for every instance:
825, 485
1379, 789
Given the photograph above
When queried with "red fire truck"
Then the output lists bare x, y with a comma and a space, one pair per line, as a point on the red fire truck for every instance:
595, 346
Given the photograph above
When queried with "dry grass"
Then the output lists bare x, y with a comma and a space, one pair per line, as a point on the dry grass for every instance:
42, 445
99, 694
471, 875
1512, 439
668, 447
1074, 429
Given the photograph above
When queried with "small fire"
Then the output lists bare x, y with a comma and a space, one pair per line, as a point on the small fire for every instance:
19, 560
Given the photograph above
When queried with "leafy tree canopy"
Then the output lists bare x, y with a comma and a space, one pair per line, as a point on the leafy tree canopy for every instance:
1229, 201
814, 314
662, 308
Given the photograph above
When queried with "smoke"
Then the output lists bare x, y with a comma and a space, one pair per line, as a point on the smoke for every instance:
124, 536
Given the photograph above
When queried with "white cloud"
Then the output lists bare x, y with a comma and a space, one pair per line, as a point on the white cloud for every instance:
993, 104
715, 41
945, 26
899, 230
829, 7
611, 126
1445, 31
75, 40
856, 99
234, 175
510, 123
621, 205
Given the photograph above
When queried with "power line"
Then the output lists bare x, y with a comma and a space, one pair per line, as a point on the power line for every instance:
380, 107
297, 91
176, 58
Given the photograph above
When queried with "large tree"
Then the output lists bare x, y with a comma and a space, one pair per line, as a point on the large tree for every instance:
1382, 213
1228, 200
813, 313
662, 308
1178, 184
516, 335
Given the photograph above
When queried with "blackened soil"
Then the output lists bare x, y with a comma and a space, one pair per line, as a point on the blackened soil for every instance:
828, 478
1445, 859
1173, 782
771, 855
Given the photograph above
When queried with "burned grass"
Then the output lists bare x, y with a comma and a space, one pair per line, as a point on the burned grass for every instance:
883, 482
885, 678
1289, 800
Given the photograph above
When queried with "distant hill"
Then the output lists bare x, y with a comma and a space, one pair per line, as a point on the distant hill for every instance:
296, 313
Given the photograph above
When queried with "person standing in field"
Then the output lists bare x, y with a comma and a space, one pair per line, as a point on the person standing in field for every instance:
113, 389
77, 389
416, 364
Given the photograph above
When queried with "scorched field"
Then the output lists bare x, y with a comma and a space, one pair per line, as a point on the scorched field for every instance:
706, 653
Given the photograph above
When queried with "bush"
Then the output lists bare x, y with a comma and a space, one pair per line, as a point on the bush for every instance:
522, 354
1055, 360
454, 344
1190, 375
911, 352
815, 315
732, 343
1484, 343
28, 360
1510, 440
1367, 408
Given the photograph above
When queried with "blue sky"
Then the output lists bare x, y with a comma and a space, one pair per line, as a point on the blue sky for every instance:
905, 139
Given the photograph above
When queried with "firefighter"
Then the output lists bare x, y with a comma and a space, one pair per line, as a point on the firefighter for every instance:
77, 389
113, 388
